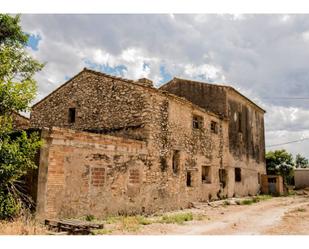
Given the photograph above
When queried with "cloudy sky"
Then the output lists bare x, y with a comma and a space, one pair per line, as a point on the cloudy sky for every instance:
266, 57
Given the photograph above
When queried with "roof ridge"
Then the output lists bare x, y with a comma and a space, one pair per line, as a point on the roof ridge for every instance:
203, 82
20, 115
107, 75
85, 69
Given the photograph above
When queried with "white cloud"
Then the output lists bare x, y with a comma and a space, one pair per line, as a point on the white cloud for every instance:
206, 71
286, 18
305, 35
263, 56
280, 118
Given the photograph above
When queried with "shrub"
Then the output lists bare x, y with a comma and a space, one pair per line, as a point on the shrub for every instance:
9, 206
17, 153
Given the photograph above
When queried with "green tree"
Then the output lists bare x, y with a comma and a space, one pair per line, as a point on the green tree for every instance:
280, 162
17, 90
301, 162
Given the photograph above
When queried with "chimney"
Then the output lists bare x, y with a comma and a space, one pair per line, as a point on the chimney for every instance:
145, 82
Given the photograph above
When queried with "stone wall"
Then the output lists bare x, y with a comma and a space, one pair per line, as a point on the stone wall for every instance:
245, 132
180, 152
20, 122
82, 173
173, 133
102, 104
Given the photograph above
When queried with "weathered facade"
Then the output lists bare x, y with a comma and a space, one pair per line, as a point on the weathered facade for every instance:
165, 151
245, 131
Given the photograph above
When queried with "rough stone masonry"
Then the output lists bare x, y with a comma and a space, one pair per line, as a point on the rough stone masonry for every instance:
117, 146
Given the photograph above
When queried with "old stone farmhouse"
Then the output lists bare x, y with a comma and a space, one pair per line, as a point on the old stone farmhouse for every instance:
118, 146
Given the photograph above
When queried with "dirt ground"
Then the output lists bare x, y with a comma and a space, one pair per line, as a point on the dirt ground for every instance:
269, 216
278, 215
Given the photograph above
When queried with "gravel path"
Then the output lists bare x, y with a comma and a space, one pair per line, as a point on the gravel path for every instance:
281, 215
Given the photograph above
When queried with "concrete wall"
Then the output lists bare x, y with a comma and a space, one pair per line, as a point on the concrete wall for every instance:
301, 177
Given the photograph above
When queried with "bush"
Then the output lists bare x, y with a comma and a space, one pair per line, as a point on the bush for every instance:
9, 206
17, 154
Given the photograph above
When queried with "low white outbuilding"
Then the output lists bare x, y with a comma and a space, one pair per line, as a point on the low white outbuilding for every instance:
301, 177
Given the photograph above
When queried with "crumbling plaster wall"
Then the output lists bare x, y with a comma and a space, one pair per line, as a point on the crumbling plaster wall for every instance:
246, 147
249, 141
211, 97
83, 173
246, 143
70, 160
172, 131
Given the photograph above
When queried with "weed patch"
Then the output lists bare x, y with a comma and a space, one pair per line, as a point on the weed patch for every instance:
301, 209
89, 217
264, 197
177, 218
200, 217
103, 231
247, 202
226, 203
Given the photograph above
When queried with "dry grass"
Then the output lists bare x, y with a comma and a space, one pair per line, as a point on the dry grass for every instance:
135, 223
22, 226
177, 218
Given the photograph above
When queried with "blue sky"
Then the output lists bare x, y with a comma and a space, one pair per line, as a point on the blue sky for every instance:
33, 41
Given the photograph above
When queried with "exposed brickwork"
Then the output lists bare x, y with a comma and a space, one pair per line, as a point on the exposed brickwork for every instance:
134, 176
97, 177
103, 174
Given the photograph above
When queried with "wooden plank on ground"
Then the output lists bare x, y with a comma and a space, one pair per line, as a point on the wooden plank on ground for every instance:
73, 226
